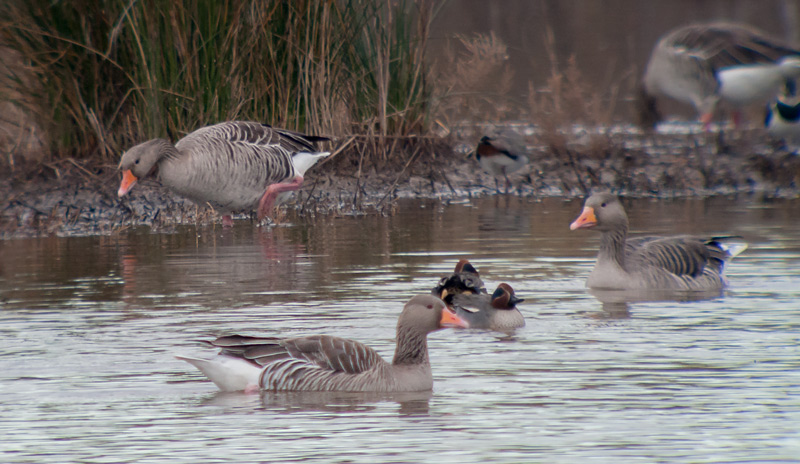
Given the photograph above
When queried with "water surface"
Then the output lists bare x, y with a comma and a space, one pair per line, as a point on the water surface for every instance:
89, 327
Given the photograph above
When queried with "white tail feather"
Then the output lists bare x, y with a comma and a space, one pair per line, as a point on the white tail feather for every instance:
227, 372
302, 161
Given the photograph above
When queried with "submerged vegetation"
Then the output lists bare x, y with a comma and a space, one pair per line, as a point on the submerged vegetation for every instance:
99, 75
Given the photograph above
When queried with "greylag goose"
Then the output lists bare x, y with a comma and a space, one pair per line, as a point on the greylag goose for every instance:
234, 165
464, 279
325, 363
651, 263
500, 158
497, 311
703, 63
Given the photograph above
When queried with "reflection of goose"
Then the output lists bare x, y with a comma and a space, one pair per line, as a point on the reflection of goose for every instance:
234, 165
667, 263
500, 158
703, 63
497, 311
325, 363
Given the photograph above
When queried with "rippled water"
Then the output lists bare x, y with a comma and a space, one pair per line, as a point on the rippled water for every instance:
89, 327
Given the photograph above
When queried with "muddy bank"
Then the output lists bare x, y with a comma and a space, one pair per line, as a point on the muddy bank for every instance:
71, 199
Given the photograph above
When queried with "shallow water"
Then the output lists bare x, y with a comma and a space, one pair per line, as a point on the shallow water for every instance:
89, 327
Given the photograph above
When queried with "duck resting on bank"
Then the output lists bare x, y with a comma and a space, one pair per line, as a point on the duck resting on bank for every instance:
326, 363
682, 262
233, 166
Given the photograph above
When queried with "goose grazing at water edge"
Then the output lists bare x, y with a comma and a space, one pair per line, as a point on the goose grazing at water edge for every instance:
325, 363
233, 166
701, 64
680, 262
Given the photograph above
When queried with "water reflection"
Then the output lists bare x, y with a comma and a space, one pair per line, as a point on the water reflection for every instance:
91, 326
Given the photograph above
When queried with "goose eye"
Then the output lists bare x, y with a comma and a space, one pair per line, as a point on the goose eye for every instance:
136, 162
603, 205
430, 306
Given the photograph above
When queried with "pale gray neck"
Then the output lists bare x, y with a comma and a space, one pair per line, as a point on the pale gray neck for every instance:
168, 150
412, 347
612, 246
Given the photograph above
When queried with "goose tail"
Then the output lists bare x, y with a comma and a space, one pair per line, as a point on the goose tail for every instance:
302, 161
227, 372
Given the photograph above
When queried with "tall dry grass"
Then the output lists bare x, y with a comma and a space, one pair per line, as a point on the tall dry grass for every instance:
100, 75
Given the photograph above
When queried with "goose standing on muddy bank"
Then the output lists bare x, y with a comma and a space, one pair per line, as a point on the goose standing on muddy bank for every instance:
325, 363
233, 166
701, 64
683, 262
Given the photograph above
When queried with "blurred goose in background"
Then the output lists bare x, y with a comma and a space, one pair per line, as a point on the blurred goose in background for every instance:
500, 158
234, 165
497, 311
325, 363
652, 263
702, 64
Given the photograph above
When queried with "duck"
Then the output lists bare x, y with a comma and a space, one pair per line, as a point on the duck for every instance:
232, 165
499, 158
701, 64
682, 262
464, 279
497, 311
328, 363
782, 119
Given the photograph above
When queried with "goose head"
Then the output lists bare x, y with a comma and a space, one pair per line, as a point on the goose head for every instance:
603, 212
426, 313
141, 161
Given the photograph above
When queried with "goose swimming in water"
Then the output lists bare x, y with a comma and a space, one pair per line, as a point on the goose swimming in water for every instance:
680, 262
326, 363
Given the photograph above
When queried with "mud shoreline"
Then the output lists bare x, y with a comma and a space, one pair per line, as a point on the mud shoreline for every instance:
72, 199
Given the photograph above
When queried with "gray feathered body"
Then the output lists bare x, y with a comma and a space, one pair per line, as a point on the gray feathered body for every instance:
668, 263
326, 363
230, 164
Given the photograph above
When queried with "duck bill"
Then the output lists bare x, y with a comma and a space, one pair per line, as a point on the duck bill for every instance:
451, 319
128, 181
586, 220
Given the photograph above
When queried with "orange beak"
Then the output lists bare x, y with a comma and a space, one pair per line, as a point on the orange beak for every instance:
451, 319
586, 220
128, 181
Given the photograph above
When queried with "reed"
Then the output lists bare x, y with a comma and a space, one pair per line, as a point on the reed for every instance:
101, 75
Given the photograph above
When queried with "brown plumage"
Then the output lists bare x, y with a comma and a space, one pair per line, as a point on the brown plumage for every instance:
658, 263
234, 165
497, 311
464, 279
326, 363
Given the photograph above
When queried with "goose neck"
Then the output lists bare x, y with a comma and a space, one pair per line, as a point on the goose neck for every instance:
412, 347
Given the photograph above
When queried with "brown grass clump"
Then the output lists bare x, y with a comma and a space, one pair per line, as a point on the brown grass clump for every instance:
465, 75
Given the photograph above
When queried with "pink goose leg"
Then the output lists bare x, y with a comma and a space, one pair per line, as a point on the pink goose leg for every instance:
268, 200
